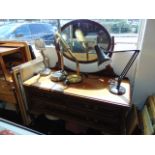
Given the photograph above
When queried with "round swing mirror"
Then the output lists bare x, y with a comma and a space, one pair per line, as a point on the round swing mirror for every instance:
82, 36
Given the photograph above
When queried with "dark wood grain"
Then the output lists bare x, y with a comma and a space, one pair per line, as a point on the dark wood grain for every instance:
89, 103
12, 53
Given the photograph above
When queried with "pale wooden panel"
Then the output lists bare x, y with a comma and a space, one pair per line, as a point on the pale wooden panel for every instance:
28, 69
7, 50
13, 44
148, 128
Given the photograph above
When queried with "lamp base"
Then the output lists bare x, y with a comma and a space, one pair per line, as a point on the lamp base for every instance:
45, 72
73, 78
113, 89
58, 76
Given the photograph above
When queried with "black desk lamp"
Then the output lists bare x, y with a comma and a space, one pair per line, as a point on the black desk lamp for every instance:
102, 55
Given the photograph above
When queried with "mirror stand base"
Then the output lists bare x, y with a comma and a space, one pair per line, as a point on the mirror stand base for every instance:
58, 76
73, 78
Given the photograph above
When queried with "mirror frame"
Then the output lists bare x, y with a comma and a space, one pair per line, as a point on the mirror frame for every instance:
91, 22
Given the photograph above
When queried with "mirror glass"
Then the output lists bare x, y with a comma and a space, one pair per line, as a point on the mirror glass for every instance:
82, 36
19, 35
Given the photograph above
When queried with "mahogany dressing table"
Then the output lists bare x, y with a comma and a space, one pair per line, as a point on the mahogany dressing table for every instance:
89, 103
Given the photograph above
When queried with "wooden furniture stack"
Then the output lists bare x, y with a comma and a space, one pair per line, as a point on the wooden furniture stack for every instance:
11, 55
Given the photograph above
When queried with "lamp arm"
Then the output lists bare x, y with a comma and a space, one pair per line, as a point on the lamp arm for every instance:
127, 67
123, 51
115, 87
129, 64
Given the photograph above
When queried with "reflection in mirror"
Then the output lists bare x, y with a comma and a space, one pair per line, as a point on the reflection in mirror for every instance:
19, 35
82, 36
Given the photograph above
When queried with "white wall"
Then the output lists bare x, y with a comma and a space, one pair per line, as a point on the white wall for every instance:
145, 74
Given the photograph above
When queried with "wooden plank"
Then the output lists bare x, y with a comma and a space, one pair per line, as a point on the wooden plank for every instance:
147, 125
28, 68
153, 99
151, 108
18, 44
7, 50
12, 44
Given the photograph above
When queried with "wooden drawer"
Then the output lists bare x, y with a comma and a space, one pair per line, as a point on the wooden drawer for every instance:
93, 114
7, 92
6, 87
94, 107
50, 104
38, 97
78, 105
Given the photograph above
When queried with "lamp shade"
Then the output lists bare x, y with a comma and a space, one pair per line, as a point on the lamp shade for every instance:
102, 57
